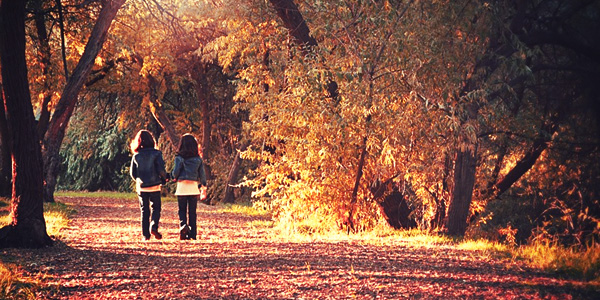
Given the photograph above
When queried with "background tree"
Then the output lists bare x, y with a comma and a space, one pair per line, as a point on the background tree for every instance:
53, 137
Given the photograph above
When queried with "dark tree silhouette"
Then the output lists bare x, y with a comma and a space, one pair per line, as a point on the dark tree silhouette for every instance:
27, 226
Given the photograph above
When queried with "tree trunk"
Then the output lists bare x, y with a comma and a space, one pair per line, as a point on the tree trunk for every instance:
465, 165
464, 180
204, 94
293, 21
354, 196
45, 56
27, 227
65, 106
233, 174
392, 202
159, 114
440, 199
5, 159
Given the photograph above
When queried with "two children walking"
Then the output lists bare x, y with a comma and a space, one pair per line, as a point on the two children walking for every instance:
148, 171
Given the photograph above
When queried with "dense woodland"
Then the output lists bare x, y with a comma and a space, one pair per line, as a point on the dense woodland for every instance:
465, 117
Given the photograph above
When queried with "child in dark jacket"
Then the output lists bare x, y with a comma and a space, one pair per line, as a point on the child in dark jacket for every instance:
188, 171
148, 171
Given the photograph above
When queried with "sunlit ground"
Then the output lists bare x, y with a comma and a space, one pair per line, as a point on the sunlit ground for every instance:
239, 254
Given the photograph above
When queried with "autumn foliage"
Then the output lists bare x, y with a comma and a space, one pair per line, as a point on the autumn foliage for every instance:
477, 118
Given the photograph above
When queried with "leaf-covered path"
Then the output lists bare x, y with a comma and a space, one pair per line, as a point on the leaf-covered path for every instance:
102, 257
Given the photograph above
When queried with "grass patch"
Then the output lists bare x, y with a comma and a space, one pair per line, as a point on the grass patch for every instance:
98, 194
262, 224
15, 285
484, 246
245, 209
56, 215
570, 262
109, 195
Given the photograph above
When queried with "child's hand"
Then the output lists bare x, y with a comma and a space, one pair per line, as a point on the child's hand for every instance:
203, 193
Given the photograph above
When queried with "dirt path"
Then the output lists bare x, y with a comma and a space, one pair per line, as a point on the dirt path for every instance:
103, 257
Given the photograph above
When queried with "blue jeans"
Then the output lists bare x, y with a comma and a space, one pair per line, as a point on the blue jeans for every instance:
149, 202
187, 205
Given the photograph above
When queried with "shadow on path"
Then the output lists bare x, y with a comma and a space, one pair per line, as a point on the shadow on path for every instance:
103, 257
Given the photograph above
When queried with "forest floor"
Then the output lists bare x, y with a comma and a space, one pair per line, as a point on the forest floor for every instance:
101, 256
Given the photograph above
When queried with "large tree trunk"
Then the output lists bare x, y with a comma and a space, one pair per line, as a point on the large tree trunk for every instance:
465, 165
464, 180
27, 226
65, 106
5, 159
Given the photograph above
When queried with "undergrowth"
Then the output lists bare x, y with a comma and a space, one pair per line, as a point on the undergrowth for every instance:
571, 262
243, 209
14, 285
567, 262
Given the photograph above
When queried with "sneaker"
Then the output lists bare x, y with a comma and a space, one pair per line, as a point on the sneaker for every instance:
156, 234
183, 232
145, 238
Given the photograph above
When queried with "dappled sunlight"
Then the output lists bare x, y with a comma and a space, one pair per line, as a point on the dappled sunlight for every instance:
103, 254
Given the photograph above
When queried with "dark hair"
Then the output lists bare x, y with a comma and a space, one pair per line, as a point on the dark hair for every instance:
143, 140
188, 146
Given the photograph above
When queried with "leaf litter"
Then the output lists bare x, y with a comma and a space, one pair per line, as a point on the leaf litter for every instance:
101, 256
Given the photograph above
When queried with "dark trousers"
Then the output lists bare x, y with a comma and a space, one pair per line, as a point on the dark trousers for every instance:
149, 205
188, 204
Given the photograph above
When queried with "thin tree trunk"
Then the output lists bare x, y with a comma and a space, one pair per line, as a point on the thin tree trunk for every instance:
27, 227
233, 174
159, 114
63, 47
293, 21
203, 96
65, 106
359, 174
441, 203
522, 166
45, 56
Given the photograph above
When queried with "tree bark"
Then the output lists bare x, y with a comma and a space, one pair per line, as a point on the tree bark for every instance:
354, 196
45, 56
5, 157
464, 180
440, 199
465, 165
159, 114
233, 174
27, 227
293, 21
65, 106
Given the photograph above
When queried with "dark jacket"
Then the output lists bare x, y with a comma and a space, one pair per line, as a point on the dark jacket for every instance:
149, 166
189, 169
